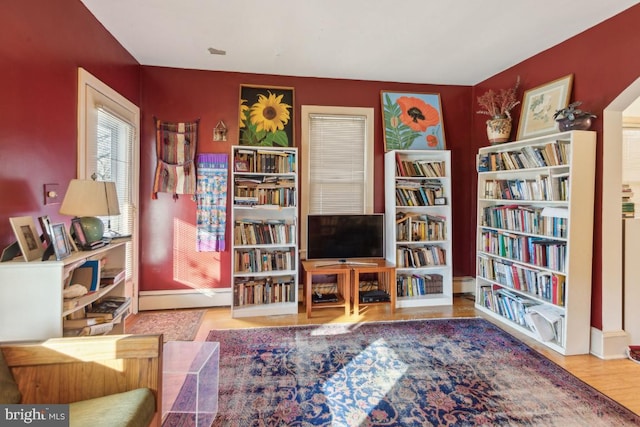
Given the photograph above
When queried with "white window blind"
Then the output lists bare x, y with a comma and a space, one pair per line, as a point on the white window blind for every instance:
337, 170
113, 162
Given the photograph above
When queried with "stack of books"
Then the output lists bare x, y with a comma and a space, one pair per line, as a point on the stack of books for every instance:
109, 308
628, 207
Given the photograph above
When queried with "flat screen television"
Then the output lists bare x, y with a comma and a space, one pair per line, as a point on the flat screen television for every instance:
345, 237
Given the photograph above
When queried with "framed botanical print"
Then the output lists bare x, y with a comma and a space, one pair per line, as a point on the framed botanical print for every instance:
266, 116
412, 121
539, 105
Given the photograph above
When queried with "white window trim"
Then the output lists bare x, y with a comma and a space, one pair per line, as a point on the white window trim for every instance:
92, 92
306, 112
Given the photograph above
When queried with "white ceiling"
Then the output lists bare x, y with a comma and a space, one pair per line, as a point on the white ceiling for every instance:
458, 42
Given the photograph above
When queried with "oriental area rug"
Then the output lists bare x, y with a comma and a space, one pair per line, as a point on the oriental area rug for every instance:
444, 372
175, 325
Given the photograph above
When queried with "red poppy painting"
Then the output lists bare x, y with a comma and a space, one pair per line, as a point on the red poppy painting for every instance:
412, 121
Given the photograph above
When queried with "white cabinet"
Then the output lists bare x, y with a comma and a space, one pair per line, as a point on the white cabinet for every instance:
418, 225
534, 237
32, 306
264, 218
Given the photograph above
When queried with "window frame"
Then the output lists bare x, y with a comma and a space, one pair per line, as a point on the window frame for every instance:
92, 93
306, 112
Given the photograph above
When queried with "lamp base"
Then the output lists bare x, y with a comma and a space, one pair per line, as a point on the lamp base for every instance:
93, 228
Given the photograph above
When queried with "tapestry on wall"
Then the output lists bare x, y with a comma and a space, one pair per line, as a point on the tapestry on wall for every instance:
176, 148
211, 199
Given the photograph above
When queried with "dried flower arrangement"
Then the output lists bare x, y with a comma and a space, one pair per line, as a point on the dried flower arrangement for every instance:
499, 104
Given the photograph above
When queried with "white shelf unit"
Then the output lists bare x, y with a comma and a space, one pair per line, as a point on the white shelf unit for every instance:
418, 225
264, 219
534, 237
31, 303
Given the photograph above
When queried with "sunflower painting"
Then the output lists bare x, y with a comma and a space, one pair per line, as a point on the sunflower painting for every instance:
412, 121
266, 116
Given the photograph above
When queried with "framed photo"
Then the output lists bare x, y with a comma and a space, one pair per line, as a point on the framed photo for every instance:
78, 232
242, 166
412, 121
29, 242
539, 105
266, 116
45, 226
60, 241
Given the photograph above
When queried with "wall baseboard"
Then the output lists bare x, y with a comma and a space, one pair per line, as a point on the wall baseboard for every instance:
192, 298
464, 285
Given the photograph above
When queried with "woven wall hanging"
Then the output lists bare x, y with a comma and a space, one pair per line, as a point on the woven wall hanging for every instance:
176, 149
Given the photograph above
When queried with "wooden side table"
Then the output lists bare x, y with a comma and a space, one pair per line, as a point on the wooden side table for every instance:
386, 272
343, 276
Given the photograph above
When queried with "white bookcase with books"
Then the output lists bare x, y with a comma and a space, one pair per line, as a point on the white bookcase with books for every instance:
418, 225
534, 237
264, 219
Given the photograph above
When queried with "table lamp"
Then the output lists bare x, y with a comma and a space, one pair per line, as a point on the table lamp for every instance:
87, 198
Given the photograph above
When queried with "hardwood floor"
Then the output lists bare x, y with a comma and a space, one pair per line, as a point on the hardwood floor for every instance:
618, 379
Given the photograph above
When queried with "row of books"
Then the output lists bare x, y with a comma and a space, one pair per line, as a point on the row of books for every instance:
246, 160
541, 284
418, 284
258, 232
99, 318
285, 197
258, 260
547, 221
263, 291
420, 228
545, 321
420, 256
419, 168
542, 188
537, 251
551, 154
427, 192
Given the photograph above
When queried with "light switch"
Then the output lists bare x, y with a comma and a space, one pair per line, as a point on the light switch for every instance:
51, 194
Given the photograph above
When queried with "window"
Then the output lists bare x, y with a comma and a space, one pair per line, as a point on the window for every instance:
337, 162
108, 150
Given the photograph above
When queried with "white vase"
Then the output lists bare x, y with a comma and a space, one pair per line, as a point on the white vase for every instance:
498, 130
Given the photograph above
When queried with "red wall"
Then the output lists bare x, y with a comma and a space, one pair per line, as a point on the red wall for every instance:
604, 62
42, 44
168, 258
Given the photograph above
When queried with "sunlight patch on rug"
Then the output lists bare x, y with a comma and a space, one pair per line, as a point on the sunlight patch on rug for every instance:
376, 370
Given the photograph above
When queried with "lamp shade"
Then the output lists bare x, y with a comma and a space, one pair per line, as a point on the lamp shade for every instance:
87, 199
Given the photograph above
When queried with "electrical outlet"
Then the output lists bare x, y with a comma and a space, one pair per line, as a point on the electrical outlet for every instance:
51, 194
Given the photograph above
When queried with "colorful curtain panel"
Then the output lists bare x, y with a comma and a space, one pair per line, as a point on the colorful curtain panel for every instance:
211, 199
176, 149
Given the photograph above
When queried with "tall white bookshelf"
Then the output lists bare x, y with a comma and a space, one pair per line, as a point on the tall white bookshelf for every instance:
418, 225
264, 215
534, 237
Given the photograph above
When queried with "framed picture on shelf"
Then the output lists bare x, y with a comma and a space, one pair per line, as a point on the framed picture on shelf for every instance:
412, 121
29, 242
45, 226
60, 241
78, 232
539, 105
266, 116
